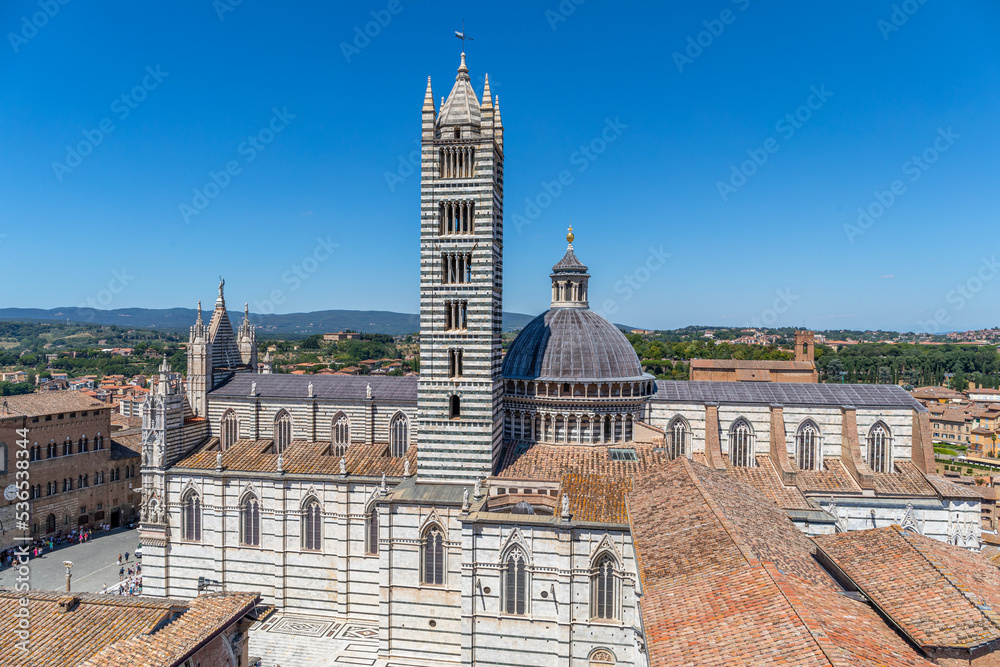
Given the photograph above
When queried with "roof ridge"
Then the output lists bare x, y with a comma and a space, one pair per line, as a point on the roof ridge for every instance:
720, 514
987, 612
815, 627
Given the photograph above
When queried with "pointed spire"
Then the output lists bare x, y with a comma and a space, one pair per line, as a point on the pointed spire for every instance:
246, 304
496, 113
462, 69
487, 99
428, 97
199, 312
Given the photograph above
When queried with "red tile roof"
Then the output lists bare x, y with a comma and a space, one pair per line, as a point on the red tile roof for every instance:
729, 580
939, 595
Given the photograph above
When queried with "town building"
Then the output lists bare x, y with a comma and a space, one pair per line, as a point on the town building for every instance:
801, 369
78, 473
341, 336
93, 630
556, 505
951, 424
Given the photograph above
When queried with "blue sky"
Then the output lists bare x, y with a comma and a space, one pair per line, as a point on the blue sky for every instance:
693, 91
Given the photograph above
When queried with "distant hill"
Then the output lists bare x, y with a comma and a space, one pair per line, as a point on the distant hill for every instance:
305, 324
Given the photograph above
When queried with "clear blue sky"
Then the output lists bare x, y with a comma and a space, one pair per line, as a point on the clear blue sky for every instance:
887, 95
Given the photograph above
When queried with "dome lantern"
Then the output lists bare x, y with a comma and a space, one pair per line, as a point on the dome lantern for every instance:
570, 279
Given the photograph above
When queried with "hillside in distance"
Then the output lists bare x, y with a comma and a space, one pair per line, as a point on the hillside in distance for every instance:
305, 324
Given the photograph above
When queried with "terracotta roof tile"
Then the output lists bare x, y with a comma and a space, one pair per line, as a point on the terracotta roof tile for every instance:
49, 402
204, 617
729, 580
940, 595
302, 457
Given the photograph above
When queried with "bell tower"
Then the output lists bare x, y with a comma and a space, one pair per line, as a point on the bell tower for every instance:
461, 283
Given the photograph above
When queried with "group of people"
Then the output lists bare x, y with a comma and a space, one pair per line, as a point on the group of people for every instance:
129, 578
130, 586
42, 545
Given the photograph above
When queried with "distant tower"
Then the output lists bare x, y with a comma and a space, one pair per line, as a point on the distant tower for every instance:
804, 346
461, 284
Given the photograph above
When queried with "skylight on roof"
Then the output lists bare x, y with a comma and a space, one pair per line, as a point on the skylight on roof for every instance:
623, 454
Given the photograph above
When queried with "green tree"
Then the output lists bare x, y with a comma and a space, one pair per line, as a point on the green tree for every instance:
959, 382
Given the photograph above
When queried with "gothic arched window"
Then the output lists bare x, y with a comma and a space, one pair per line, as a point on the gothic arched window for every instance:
83, 443
229, 430
192, 517
807, 447
678, 438
879, 446
604, 588
371, 543
282, 431
514, 576
399, 435
432, 556
341, 434
312, 526
741, 444
250, 522
99, 442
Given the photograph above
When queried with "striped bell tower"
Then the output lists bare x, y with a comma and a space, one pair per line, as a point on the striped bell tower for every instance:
461, 284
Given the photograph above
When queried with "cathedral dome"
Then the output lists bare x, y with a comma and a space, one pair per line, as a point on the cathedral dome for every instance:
572, 344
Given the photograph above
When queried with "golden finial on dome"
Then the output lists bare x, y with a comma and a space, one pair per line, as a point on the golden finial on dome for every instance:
569, 236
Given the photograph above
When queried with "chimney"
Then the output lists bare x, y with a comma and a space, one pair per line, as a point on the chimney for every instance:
68, 603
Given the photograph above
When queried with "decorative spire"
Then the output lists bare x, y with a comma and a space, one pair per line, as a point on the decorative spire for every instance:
428, 97
496, 113
487, 99
199, 322
462, 69
246, 304
221, 300
570, 236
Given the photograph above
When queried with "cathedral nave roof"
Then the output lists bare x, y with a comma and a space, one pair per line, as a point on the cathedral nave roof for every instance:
302, 457
352, 388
